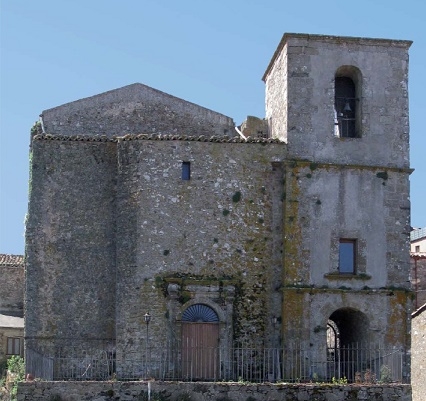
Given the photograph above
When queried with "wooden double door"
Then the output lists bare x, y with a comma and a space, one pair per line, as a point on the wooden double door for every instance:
200, 350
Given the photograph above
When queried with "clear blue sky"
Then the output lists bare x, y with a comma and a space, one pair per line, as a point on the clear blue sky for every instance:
212, 53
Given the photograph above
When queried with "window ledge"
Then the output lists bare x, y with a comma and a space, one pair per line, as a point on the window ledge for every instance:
347, 276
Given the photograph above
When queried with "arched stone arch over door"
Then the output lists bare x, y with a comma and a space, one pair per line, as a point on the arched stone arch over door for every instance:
352, 325
347, 343
200, 343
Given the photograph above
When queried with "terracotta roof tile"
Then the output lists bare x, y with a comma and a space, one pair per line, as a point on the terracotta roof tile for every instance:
11, 260
418, 255
155, 137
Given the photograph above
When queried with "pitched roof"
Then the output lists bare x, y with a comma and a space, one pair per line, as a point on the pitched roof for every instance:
133, 109
11, 260
418, 233
135, 91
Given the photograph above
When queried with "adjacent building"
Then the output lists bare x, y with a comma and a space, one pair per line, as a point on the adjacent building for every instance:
418, 265
11, 306
418, 353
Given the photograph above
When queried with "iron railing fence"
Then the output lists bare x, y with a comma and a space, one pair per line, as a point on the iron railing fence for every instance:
363, 364
38, 365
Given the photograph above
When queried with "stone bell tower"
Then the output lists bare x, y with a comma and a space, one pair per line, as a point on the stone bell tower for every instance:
341, 105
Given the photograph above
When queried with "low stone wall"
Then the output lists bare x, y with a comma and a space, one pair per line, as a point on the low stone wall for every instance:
177, 391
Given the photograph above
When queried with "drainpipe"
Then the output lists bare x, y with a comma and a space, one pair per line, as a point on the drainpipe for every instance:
240, 133
42, 125
415, 282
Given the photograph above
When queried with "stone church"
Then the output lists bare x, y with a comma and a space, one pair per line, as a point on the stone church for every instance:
167, 239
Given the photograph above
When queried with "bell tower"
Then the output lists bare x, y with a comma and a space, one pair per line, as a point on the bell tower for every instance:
341, 105
340, 99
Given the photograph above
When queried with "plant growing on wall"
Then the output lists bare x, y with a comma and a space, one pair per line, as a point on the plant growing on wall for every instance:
15, 374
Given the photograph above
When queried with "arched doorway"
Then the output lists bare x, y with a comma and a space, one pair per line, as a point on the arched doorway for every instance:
347, 343
200, 340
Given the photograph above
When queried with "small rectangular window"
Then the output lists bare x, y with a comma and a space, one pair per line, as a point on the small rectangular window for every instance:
186, 170
417, 248
347, 256
13, 346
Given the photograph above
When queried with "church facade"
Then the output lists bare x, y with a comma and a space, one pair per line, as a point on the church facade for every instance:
154, 225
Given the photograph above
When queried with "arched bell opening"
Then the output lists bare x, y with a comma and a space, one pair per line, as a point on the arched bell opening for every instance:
347, 95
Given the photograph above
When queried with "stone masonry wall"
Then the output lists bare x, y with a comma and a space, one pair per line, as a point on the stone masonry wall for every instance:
12, 289
300, 79
328, 202
133, 391
276, 97
70, 243
323, 204
418, 279
222, 227
418, 354
135, 109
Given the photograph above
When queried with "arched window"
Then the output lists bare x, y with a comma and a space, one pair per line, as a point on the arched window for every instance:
200, 313
346, 102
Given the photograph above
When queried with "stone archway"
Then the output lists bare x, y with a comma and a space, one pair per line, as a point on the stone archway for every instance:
352, 325
347, 343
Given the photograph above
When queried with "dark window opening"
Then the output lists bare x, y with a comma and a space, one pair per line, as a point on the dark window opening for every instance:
345, 105
13, 346
417, 248
186, 170
262, 134
347, 256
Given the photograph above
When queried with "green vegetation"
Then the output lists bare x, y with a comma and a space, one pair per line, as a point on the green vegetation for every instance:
36, 128
342, 380
236, 197
15, 374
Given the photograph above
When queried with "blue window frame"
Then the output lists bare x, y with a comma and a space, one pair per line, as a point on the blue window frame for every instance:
347, 256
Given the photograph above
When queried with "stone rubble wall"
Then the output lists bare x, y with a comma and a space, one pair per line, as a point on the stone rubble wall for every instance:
418, 354
418, 281
70, 242
127, 391
12, 289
